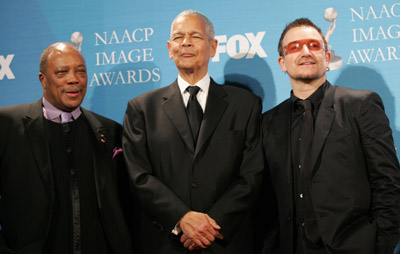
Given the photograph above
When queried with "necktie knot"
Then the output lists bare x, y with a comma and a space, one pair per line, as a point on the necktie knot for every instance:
193, 91
65, 117
306, 104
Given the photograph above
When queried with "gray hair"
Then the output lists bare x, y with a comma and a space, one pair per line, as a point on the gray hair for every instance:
209, 24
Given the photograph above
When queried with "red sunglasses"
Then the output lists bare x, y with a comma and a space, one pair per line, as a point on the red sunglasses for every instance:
297, 46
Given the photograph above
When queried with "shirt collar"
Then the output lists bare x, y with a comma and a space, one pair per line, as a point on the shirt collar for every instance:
315, 98
53, 114
203, 83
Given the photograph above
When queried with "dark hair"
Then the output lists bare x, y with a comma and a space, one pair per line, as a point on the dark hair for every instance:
297, 23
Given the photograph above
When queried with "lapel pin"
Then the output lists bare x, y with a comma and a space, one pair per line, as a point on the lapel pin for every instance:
102, 138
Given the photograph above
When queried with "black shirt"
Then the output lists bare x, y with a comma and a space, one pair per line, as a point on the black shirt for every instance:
301, 186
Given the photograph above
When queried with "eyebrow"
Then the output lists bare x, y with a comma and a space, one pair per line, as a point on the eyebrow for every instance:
67, 66
190, 33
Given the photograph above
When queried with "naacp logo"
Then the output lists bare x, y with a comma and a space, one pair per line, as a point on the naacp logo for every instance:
330, 15
121, 58
76, 40
5, 70
376, 35
239, 46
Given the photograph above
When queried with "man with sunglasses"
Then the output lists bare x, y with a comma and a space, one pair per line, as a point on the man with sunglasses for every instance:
330, 154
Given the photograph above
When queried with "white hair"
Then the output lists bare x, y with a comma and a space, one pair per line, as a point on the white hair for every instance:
209, 25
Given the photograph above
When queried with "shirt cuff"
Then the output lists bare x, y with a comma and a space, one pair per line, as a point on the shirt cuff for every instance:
177, 229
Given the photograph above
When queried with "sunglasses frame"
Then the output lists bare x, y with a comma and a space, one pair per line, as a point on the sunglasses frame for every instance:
307, 43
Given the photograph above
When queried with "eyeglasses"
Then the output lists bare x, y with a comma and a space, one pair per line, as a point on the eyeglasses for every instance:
297, 46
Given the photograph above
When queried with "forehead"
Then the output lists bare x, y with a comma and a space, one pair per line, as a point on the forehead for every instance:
300, 33
65, 57
189, 24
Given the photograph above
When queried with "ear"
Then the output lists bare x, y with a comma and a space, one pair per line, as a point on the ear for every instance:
281, 61
43, 80
169, 49
213, 48
327, 57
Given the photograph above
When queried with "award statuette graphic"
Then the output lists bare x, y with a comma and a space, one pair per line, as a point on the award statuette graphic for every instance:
330, 15
76, 40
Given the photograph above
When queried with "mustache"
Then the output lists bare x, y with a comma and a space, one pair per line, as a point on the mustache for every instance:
73, 89
306, 58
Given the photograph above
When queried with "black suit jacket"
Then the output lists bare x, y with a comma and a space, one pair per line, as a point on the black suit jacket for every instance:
354, 176
170, 176
26, 181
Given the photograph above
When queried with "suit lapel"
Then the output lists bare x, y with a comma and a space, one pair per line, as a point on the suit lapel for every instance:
323, 124
215, 108
35, 127
282, 127
174, 108
100, 161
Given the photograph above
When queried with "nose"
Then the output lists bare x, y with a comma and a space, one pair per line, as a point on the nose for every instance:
187, 41
305, 49
73, 78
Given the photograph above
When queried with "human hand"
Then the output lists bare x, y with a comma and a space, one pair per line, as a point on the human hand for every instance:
189, 244
199, 230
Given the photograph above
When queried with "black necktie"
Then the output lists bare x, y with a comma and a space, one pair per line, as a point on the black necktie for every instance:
306, 132
194, 111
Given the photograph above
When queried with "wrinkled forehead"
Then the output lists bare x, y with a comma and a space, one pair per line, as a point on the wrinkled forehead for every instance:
301, 33
65, 57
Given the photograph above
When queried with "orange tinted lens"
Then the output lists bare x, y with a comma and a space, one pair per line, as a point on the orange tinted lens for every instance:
297, 46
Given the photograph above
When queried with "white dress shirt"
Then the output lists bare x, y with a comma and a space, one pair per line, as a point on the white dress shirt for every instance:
202, 95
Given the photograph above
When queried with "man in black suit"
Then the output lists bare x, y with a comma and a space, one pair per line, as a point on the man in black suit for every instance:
198, 190
59, 165
330, 154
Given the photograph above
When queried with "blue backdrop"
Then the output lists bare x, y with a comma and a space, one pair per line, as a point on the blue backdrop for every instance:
124, 44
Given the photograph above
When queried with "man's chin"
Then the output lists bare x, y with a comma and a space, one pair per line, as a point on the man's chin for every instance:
72, 105
306, 78
186, 69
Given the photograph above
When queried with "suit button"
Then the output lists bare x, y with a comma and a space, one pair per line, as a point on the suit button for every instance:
66, 128
194, 185
289, 218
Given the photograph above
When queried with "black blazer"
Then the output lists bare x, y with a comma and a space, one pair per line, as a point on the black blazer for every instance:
220, 176
27, 187
354, 176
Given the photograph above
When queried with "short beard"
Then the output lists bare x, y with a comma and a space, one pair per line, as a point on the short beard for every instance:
306, 80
